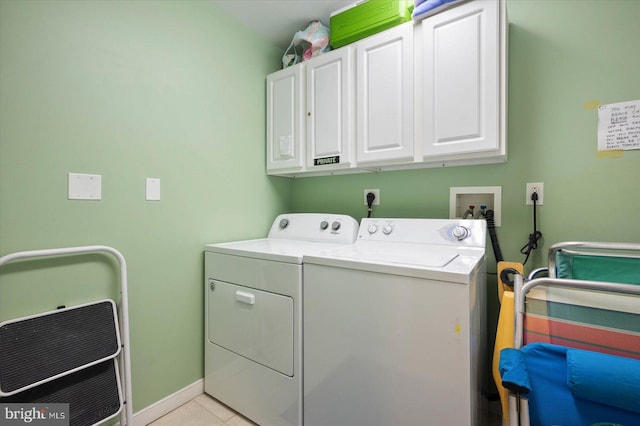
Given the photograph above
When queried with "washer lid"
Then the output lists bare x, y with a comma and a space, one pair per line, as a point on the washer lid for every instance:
418, 255
416, 260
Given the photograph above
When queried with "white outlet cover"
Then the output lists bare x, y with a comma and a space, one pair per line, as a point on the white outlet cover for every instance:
376, 192
83, 186
529, 190
153, 189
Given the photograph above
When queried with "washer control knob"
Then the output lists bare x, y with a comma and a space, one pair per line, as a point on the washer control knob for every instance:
372, 229
335, 225
387, 229
460, 232
324, 225
284, 223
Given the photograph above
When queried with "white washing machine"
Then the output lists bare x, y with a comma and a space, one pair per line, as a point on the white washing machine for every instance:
394, 326
253, 315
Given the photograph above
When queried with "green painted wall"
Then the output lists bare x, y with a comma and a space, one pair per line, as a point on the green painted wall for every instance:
166, 89
562, 53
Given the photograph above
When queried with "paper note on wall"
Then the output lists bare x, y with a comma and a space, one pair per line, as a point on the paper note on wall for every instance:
619, 126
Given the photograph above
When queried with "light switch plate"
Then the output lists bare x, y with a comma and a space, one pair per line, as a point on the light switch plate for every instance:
83, 186
153, 189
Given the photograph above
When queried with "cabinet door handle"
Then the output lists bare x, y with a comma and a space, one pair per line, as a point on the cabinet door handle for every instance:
244, 297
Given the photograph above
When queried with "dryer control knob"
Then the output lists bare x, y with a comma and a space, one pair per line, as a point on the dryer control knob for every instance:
372, 229
284, 223
335, 225
324, 225
387, 229
460, 232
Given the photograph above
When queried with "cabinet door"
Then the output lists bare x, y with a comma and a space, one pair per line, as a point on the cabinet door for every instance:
329, 112
285, 133
384, 95
460, 77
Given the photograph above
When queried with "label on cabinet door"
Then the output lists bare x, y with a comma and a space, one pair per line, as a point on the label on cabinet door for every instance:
334, 159
286, 147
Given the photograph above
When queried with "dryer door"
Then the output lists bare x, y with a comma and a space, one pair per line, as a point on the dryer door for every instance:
255, 324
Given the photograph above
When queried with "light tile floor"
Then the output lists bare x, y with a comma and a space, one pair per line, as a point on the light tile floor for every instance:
206, 411
202, 411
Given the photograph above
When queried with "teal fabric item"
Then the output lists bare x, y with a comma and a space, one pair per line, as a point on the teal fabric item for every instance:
547, 368
551, 402
513, 371
603, 378
624, 270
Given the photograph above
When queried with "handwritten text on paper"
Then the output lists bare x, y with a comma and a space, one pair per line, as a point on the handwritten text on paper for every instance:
619, 126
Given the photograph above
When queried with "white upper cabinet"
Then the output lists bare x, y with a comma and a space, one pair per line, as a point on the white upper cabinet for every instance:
460, 83
285, 131
425, 94
384, 96
329, 90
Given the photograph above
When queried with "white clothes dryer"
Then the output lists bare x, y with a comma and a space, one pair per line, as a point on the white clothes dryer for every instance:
253, 315
394, 326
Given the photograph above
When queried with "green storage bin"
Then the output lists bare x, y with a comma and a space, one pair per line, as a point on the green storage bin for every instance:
367, 18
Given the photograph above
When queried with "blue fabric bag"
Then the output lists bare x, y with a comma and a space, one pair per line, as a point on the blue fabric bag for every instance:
424, 8
603, 378
573, 387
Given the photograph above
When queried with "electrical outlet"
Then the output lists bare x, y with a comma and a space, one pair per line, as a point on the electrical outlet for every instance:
376, 192
537, 187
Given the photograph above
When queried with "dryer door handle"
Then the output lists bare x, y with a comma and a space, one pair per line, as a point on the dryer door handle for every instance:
244, 297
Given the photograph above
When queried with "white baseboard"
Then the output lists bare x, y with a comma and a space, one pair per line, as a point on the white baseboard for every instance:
158, 409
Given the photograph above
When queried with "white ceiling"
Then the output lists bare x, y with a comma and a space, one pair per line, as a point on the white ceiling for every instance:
278, 20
